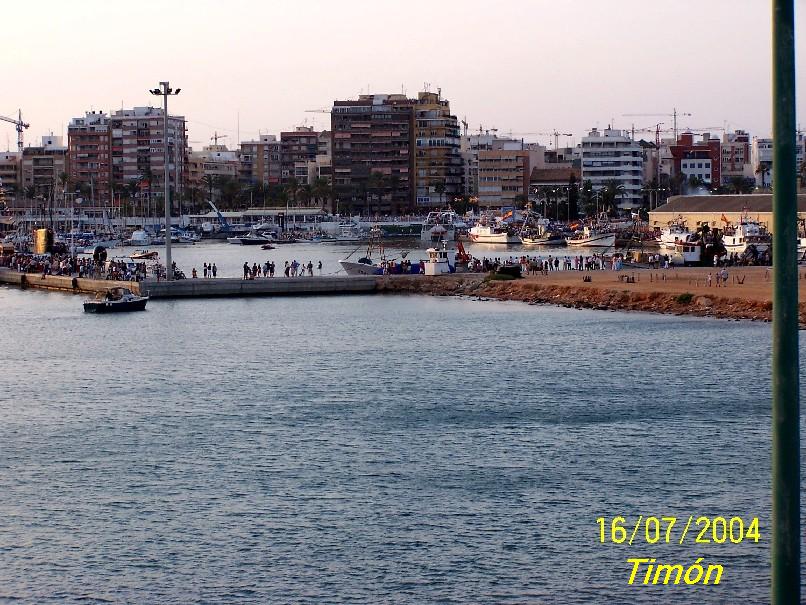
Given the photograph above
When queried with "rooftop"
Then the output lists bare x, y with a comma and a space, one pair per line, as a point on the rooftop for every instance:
724, 203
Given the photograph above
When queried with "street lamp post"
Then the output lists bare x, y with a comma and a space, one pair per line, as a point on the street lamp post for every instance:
165, 90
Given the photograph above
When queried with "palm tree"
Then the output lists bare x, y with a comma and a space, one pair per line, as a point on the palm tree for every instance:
588, 198
321, 190
763, 169
440, 189
612, 190
305, 194
229, 190
292, 187
208, 180
375, 183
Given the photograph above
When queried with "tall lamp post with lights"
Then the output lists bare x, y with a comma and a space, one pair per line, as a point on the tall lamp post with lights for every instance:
165, 91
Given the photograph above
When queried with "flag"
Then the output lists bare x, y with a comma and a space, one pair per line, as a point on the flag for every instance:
725, 219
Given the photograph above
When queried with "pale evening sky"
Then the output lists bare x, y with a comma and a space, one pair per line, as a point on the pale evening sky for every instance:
520, 65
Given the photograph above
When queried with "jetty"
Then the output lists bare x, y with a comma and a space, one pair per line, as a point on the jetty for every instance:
199, 288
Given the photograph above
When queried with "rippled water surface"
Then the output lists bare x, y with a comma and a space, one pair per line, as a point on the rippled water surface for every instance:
370, 449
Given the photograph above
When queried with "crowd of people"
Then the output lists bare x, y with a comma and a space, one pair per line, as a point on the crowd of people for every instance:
74, 266
535, 265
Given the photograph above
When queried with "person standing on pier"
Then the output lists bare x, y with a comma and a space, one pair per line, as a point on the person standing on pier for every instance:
246, 270
204, 271
310, 269
320, 267
215, 270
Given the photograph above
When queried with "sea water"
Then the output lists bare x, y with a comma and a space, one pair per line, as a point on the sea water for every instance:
371, 449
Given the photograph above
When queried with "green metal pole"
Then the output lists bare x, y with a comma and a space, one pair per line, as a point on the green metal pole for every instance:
785, 388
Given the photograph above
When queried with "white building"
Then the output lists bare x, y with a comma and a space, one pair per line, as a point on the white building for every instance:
612, 155
761, 157
699, 168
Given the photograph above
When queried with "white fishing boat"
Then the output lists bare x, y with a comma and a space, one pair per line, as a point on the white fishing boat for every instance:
686, 253
367, 265
672, 234
485, 232
592, 237
748, 232
440, 261
438, 226
139, 237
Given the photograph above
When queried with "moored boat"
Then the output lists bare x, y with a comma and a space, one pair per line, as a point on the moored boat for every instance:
491, 234
591, 237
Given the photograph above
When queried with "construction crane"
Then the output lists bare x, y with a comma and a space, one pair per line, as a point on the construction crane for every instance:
217, 136
318, 110
553, 133
20, 126
464, 124
672, 115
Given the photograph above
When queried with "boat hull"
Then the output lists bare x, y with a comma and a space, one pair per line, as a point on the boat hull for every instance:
605, 240
353, 268
495, 238
111, 306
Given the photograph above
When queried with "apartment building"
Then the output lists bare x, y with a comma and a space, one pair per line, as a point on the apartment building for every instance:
374, 134
42, 166
438, 159
260, 160
613, 156
9, 175
504, 176
297, 148
137, 143
735, 156
89, 154
697, 159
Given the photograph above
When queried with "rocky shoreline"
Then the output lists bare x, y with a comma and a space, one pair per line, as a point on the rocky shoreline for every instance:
608, 297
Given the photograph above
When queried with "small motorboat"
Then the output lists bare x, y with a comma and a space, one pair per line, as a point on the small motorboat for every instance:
115, 300
267, 247
144, 254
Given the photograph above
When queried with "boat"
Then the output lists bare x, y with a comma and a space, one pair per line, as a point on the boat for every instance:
550, 238
486, 233
115, 300
365, 265
268, 247
250, 239
440, 260
748, 232
676, 231
139, 237
439, 225
144, 255
686, 253
592, 237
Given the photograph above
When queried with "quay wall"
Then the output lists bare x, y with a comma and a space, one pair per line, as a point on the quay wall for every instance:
61, 282
277, 286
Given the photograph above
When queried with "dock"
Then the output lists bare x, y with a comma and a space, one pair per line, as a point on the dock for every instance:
199, 288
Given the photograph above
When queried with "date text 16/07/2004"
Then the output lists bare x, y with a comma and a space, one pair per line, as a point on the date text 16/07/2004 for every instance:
667, 530
660, 573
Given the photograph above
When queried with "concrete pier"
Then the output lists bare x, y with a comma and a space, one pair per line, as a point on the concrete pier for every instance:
200, 288
272, 286
61, 282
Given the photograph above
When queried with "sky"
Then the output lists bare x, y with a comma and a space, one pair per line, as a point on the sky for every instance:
521, 66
